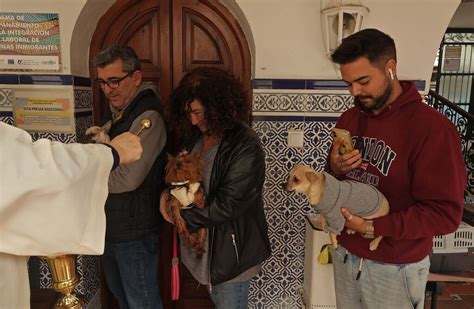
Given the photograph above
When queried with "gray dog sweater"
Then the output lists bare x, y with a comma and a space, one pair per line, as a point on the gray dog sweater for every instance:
361, 199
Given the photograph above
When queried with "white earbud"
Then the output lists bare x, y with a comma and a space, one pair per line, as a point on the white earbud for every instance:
390, 72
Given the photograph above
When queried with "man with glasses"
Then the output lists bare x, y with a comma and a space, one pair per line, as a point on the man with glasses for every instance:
133, 219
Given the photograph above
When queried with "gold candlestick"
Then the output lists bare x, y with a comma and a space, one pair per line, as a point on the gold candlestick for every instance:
65, 279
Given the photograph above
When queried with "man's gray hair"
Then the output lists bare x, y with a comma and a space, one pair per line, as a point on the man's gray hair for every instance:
125, 53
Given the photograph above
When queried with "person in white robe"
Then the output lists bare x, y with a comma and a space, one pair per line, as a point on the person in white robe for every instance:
52, 198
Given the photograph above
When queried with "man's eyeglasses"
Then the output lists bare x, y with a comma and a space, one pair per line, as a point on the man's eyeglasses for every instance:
113, 82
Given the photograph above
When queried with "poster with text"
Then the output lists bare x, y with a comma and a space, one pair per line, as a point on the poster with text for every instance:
29, 42
43, 112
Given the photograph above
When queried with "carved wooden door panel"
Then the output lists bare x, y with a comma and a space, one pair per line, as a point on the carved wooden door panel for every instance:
172, 37
205, 34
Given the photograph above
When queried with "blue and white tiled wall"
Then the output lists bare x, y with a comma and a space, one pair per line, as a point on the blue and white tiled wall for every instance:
87, 266
278, 106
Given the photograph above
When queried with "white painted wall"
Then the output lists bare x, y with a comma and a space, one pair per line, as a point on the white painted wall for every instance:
289, 42
84, 28
286, 36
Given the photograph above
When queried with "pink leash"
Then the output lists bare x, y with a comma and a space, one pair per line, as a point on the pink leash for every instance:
175, 268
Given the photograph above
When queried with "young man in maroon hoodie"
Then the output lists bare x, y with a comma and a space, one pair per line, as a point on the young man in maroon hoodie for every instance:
412, 154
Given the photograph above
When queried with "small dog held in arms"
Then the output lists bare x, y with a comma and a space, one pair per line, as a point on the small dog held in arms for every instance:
99, 134
184, 175
328, 195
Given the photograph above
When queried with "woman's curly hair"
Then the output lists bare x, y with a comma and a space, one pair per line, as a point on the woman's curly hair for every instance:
222, 95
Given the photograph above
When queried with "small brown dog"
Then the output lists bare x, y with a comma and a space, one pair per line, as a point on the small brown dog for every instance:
328, 195
185, 171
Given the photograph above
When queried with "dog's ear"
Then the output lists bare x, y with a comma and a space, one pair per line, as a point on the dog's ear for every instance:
170, 156
312, 176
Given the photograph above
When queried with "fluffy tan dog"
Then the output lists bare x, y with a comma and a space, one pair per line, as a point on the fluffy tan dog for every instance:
99, 134
184, 173
328, 195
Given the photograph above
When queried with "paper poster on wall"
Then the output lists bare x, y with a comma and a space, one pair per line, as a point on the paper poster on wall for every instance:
49, 111
29, 42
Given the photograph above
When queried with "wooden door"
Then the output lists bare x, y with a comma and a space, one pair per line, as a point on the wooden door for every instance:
172, 37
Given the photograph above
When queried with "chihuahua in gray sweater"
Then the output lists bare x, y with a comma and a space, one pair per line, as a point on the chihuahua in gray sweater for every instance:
328, 195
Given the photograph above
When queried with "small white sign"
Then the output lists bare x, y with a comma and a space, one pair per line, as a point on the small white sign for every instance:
295, 138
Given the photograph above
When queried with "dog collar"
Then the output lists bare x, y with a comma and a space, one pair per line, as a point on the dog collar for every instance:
179, 183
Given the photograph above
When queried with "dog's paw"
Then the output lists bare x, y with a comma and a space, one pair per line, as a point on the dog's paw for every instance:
98, 135
350, 232
184, 197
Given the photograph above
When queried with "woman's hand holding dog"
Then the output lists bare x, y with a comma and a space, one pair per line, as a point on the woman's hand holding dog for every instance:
345, 163
164, 212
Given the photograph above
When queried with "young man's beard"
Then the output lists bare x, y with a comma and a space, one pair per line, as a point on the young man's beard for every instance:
379, 101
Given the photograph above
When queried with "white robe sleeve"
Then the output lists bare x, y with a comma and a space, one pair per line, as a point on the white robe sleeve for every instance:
52, 195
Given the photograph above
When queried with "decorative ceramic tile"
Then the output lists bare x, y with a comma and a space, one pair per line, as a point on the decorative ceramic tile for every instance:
82, 123
88, 271
5, 97
278, 284
7, 119
329, 103
295, 102
317, 141
301, 102
82, 98
61, 137
274, 134
45, 278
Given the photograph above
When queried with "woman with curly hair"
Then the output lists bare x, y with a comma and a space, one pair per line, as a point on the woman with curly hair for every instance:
210, 108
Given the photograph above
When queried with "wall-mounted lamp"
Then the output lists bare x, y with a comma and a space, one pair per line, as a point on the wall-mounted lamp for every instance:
341, 18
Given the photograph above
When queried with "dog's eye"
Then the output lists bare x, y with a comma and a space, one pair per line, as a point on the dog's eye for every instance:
296, 180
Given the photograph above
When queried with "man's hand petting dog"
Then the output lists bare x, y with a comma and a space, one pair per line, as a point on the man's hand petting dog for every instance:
354, 223
163, 199
345, 163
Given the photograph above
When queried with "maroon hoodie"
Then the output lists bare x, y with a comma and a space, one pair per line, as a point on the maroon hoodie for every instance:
412, 154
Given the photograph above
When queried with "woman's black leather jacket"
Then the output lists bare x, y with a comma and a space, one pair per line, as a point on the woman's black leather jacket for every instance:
234, 215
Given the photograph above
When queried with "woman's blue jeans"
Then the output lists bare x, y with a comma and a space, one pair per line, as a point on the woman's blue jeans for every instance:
230, 295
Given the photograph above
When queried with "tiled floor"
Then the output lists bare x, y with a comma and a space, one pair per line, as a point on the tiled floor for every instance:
455, 296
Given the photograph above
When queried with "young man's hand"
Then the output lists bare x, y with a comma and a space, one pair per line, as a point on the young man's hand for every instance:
345, 163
